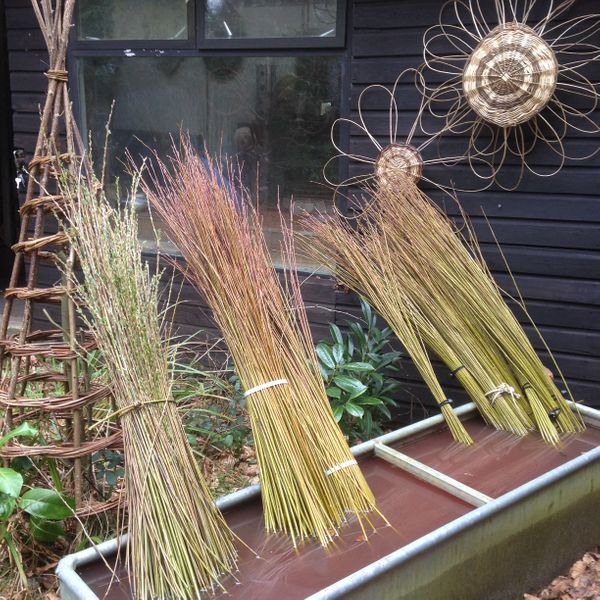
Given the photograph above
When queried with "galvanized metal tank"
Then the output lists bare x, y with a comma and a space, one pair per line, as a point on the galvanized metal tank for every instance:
490, 521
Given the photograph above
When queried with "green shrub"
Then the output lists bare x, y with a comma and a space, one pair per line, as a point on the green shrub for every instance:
355, 367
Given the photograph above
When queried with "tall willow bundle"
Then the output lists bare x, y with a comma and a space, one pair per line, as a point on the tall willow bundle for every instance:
459, 310
422, 235
179, 543
308, 475
364, 264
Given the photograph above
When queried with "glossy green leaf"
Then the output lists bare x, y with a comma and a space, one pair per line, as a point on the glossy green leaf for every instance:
359, 366
325, 373
338, 353
351, 385
325, 355
385, 410
369, 401
7, 506
336, 333
338, 413
11, 482
44, 530
354, 409
334, 392
23, 430
47, 504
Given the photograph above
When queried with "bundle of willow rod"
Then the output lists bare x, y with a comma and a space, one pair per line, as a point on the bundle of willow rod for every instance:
458, 309
308, 475
179, 543
364, 264
421, 235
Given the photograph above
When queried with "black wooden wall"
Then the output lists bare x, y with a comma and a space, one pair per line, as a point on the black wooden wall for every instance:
548, 229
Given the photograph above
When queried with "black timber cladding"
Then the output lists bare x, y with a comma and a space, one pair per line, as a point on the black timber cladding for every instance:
548, 228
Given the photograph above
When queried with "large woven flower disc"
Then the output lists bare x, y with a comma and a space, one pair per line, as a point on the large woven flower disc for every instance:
398, 162
510, 76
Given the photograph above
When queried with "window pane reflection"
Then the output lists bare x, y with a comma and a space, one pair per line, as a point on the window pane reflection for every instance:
230, 19
133, 20
272, 114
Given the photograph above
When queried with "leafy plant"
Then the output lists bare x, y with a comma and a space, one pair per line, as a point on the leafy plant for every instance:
220, 422
46, 508
109, 467
354, 367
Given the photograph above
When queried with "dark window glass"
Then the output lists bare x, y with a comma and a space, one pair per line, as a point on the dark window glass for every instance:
234, 19
271, 114
133, 20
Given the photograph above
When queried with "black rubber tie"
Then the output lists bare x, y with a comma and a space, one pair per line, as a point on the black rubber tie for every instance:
446, 401
455, 371
553, 414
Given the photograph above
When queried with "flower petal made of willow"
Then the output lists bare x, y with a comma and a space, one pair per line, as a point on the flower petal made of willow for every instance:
570, 30
361, 127
553, 13
570, 125
438, 102
578, 83
475, 14
436, 63
479, 131
375, 87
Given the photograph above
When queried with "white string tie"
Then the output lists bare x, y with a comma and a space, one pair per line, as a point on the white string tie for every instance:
503, 388
344, 465
265, 386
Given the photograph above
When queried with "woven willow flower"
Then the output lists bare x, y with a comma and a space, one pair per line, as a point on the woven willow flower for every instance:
504, 88
395, 160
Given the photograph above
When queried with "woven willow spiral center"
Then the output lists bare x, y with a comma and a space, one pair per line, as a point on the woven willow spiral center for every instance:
396, 163
510, 76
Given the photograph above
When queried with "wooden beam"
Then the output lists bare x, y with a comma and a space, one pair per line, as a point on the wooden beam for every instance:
431, 476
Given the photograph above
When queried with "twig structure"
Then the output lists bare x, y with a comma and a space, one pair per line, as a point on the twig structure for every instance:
50, 356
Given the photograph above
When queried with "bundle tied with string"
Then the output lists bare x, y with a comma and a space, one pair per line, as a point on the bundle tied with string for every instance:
363, 263
309, 479
179, 543
406, 258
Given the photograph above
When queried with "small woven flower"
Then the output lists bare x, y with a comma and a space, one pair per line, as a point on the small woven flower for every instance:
395, 160
505, 88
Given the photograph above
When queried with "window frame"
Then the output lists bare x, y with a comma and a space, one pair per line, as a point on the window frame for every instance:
198, 41
191, 42
336, 41
276, 47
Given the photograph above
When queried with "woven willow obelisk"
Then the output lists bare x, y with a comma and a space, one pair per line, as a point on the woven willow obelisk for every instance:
48, 359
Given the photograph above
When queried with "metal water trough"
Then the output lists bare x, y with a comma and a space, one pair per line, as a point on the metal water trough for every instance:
491, 521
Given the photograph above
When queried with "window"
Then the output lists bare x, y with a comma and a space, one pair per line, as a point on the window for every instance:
270, 109
133, 20
227, 19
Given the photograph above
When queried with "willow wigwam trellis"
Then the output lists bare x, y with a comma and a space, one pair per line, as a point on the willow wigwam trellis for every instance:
49, 357
509, 86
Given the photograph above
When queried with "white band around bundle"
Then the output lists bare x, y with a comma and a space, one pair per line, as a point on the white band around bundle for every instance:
265, 386
503, 388
344, 465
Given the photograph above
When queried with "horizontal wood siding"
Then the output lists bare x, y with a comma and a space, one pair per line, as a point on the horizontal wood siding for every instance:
548, 228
